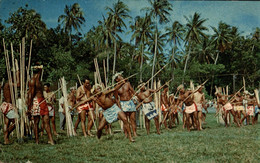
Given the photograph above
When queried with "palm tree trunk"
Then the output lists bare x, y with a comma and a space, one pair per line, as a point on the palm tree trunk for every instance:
141, 66
216, 58
154, 57
213, 76
114, 63
186, 62
107, 63
173, 62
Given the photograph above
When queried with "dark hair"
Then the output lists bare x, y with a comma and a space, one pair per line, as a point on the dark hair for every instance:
47, 84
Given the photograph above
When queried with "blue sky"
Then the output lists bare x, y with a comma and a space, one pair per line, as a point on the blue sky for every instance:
243, 14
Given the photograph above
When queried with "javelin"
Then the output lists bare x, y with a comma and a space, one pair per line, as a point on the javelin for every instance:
82, 102
151, 78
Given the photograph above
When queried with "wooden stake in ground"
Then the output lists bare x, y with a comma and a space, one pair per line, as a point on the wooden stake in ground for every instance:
69, 124
257, 96
11, 89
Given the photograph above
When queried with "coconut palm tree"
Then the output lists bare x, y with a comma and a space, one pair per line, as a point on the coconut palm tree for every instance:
142, 33
116, 16
174, 34
194, 32
72, 19
221, 38
158, 9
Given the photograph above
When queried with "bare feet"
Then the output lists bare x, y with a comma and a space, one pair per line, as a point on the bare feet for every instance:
89, 134
132, 140
7, 142
51, 142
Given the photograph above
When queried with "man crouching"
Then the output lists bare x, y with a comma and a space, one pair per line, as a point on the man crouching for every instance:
111, 110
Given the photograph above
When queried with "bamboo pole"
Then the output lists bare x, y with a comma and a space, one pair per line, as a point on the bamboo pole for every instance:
105, 89
105, 74
257, 96
69, 124
11, 88
147, 82
159, 101
244, 83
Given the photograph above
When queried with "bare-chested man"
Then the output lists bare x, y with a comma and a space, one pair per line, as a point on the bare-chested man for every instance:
165, 105
83, 93
238, 106
7, 109
111, 110
50, 99
199, 99
227, 108
250, 102
190, 111
174, 110
148, 107
37, 105
125, 94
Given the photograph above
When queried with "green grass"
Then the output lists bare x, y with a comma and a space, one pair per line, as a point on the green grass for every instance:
214, 144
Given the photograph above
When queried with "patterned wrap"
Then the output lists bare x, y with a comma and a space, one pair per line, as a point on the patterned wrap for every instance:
41, 109
51, 110
128, 106
250, 110
257, 110
8, 110
239, 108
191, 109
149, 110
6, 107
199, 107
87, 106
111, 114
227, 106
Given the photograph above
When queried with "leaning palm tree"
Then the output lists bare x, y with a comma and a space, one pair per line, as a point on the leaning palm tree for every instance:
72, 19
116, 16
158, 9
194, 31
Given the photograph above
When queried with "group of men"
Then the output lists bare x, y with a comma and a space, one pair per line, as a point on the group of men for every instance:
238, 104
118, 103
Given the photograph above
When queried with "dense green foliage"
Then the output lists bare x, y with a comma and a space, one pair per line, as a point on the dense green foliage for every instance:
190, 52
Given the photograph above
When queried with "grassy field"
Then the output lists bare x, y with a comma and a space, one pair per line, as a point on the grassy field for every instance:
214, 144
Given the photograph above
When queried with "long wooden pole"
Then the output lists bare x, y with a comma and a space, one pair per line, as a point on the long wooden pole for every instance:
151, 78
104, 90
69, 124
11, 89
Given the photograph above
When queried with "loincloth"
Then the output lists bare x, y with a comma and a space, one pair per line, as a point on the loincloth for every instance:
87, 106
239, 108
41, 109
191, 109
250, 110
149, 110
227, 106
128, 106
6, 107
111, 114
8, 110
199, 107
51, 110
